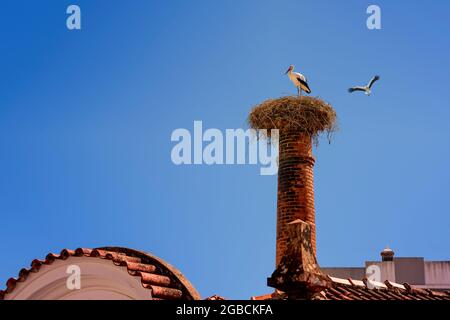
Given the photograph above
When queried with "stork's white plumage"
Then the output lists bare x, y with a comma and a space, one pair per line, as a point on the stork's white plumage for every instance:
366, 89
299, 80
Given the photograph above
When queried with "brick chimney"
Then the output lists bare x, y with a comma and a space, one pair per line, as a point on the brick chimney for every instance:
299, 120
297, 272
295, 187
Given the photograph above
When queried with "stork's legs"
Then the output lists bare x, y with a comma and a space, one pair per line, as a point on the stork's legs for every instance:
299, 92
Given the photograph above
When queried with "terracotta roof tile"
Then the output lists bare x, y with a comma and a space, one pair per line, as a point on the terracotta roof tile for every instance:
156, 279
391, 285
268, 296
162, 280
164, 292
134, 267
215, 297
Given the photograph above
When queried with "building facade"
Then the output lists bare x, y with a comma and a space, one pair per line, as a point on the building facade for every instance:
416, 271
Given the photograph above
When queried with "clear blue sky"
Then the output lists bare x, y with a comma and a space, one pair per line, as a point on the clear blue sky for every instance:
86, 118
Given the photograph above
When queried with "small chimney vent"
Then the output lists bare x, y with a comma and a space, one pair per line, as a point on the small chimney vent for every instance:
387, 254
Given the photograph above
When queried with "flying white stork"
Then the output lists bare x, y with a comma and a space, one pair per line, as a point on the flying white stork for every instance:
366, 89
299, 80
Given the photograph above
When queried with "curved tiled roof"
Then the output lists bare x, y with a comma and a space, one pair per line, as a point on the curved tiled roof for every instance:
161, 279
349, 289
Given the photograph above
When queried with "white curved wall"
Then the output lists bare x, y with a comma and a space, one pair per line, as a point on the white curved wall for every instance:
99, 279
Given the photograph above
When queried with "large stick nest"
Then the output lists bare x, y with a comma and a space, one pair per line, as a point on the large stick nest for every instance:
307, 115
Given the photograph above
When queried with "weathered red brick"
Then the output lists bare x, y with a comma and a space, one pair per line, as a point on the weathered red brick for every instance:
295, 187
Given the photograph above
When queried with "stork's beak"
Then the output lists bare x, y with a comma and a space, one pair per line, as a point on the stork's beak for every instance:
288, 70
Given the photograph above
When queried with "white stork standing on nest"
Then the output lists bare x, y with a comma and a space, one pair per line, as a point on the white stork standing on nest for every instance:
299, 80
366, 89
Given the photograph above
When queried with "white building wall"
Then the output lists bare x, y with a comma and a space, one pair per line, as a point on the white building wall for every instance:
387, 269
437, 274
